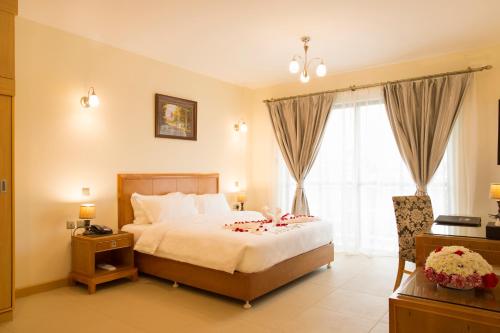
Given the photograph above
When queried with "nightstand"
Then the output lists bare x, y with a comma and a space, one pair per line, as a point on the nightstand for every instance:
89, 251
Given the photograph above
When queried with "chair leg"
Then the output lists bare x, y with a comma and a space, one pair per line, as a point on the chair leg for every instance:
399, 276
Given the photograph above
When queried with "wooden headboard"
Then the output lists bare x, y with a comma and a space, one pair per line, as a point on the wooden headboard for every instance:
148, 184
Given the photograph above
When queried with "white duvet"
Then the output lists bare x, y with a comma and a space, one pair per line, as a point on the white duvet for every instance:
201, 240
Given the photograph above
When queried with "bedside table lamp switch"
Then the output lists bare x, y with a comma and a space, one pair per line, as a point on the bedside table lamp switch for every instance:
493, 228
86, 191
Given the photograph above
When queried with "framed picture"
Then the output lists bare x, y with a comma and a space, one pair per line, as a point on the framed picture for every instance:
175, 118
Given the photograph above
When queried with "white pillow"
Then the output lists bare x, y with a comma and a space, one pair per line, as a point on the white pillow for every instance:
212, 204
169, 207
140, 216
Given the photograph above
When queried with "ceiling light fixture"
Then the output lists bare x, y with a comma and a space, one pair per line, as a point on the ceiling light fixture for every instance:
294, 65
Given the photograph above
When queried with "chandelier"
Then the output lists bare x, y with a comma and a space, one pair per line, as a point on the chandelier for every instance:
295, 66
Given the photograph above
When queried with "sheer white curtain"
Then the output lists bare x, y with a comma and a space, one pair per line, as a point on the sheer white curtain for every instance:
357, 171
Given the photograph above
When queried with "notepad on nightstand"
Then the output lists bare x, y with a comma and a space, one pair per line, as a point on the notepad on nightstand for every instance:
106, 267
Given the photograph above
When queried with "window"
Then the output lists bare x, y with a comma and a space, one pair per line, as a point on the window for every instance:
357, 171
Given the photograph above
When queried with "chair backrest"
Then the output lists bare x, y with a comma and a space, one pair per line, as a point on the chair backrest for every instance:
413, 217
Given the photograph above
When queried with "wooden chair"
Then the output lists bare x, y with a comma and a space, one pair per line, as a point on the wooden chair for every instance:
413, 217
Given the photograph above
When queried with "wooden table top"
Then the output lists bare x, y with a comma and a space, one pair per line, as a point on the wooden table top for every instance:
459, 231
418, 286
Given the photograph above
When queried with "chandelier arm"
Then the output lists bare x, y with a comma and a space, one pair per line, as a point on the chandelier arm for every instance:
313, 59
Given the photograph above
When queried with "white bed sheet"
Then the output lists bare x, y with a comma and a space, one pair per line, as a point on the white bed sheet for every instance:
202, 241
136, 229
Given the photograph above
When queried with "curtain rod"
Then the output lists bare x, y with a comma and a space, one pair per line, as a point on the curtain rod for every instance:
371, 85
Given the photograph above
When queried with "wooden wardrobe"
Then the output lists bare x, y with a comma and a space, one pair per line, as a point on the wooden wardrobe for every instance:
8, 11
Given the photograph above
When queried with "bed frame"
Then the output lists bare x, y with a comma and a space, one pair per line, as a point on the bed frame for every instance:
242, 286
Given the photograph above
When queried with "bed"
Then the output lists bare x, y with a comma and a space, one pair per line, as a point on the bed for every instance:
245, 286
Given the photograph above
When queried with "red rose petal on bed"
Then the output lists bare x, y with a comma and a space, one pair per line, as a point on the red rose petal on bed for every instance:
460, 253
438, 249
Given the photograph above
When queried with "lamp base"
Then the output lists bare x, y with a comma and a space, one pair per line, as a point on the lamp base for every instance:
493, 231
86, 225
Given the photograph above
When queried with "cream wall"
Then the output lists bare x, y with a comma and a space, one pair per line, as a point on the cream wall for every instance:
60, 147
481, 125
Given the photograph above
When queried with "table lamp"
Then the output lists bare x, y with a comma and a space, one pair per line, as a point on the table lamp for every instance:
493, 228
87, 213
241, 198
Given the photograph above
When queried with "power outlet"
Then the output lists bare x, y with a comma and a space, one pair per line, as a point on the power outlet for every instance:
70, 224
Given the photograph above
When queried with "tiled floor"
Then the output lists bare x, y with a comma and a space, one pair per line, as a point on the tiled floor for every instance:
350, 297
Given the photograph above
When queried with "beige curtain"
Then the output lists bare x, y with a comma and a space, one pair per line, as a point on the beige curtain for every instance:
299, 124
422, 114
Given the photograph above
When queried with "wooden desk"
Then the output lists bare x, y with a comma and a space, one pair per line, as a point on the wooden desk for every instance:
421, 306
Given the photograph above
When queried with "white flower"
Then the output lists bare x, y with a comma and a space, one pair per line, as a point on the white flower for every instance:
457, 260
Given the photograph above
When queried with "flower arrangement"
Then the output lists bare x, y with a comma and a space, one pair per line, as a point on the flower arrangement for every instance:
459, 268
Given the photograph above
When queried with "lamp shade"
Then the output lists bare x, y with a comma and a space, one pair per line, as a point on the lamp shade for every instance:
87, 211
241, 197
495, 191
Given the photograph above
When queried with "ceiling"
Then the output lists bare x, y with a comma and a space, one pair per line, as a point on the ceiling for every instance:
250, 42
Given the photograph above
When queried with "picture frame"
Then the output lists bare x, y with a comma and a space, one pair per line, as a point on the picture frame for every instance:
175, 118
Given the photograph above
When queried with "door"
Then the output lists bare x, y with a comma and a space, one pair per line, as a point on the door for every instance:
6, 233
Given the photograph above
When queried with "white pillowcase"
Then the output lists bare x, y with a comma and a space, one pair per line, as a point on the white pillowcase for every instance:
140, 216
212, 204
167, 208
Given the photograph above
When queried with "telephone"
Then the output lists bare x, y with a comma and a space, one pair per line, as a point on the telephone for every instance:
96, 229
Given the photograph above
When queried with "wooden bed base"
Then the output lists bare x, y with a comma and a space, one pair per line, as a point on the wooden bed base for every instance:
242, 286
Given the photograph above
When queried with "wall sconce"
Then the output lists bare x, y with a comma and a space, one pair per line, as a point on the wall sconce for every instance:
241, 126
91, 100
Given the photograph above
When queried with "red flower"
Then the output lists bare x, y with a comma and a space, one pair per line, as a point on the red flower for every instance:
457, 281
459, 252
490, 280
438, 249
443, 278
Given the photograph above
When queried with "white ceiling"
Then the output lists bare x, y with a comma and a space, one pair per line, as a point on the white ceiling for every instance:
250, 42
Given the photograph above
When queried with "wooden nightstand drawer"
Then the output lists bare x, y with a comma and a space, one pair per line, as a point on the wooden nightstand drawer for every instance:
112, 244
